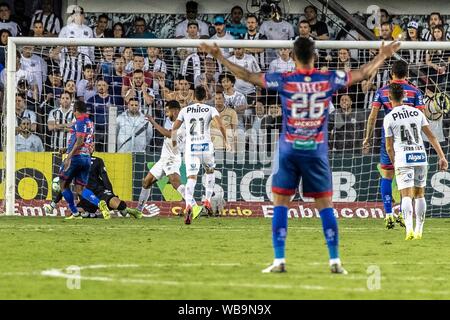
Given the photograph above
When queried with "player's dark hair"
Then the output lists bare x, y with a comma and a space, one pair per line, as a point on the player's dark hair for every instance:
227, 75
304, 50
400, 69
173, 104
396, 92
138, 71
37, 21
200, 93
5, 4
79, 106
132, 99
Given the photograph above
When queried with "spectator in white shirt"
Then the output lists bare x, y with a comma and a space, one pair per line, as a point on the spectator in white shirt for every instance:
248, 62
27, 141
191, 14
192, 33
276, 29
21, 76
234, 99
222, 34
6, 23
134, 132
35, 65
86, 86
76, 28
284, 63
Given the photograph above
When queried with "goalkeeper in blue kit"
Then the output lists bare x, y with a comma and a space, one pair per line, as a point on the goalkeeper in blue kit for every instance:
303, 144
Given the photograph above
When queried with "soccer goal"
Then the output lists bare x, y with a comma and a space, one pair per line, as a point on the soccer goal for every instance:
45, 75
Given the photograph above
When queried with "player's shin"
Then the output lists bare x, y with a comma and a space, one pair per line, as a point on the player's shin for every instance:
279, 232
90, 196
182, 190
386, 194
407, 210
330, 230
68, 196
189, 192
209, 188
143, 198
420, 209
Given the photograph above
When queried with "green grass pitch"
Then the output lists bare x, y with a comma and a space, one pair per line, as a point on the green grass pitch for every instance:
216, 258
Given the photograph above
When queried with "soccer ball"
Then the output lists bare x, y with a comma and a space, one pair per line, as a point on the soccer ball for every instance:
437, 106
55, 185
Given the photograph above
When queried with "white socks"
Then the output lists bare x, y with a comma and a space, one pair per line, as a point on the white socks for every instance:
421, 208
143, 197
181, 190
189, 192
210, 181
407, 210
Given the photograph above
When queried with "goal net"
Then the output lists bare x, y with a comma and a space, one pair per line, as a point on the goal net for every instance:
43, 77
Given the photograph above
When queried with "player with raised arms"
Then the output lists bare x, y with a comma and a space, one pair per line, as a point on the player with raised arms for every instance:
414, 98
403, 128
78, 162
199, 149
170, 160
303, 145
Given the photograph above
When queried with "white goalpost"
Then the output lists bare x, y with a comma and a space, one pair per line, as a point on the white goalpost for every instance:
355, 179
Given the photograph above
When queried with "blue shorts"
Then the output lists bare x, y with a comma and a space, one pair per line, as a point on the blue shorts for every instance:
314, 171
385, 161
78, 170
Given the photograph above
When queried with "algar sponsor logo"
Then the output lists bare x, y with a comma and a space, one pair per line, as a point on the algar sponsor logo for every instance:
415, 157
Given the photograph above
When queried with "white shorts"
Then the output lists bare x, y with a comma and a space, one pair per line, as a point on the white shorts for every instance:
194, 161
408, 177
166, 167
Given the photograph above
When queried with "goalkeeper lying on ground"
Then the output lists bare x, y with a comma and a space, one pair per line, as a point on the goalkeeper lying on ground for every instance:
101, 186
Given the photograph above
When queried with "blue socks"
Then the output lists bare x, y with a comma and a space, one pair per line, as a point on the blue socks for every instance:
386, 194
68, 196
279, 230
90, 196
330, 230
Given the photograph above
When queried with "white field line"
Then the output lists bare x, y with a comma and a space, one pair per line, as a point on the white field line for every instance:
59, 273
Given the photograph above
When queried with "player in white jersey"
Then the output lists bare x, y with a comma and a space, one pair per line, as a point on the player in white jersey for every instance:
404, 145
170, 160
199, 149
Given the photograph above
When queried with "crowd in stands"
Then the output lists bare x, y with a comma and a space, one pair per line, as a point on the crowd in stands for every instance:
135, 82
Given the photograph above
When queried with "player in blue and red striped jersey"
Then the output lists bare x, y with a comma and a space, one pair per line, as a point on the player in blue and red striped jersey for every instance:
77, 163
303, 146
413, 98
